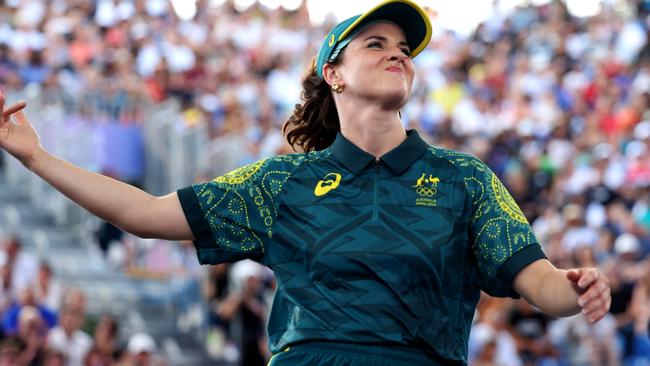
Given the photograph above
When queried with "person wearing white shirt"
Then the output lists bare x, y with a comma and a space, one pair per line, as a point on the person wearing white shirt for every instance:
48, 290
68, 338
25, 265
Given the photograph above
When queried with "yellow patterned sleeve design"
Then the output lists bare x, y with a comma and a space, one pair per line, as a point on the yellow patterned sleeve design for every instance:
505, 200
498, 227
241, 175
241, 206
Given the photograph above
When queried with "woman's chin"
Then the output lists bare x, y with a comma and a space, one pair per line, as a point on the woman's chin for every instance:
388, 99
395, 100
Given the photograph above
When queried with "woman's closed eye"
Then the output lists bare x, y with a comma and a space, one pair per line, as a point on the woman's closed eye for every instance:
379, 45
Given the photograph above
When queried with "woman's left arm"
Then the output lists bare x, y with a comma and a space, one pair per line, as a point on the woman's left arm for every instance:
562, 293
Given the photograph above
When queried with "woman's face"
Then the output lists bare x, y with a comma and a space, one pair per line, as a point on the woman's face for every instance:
377, 66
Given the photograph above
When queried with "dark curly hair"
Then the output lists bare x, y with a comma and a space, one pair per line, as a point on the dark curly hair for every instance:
313, 125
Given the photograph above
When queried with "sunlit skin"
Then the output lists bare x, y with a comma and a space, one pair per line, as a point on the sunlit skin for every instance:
376, 67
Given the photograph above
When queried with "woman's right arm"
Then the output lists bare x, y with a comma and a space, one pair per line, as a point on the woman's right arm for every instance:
121, 204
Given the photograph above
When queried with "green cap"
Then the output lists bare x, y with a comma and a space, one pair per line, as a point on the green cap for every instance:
406, 14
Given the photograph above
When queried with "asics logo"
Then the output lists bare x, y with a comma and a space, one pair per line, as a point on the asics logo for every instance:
329, 182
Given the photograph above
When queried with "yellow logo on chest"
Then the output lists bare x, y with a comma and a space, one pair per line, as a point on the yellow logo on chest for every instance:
330, 182
426, 189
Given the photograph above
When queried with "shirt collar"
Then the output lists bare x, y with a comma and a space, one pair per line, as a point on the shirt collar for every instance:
398, 160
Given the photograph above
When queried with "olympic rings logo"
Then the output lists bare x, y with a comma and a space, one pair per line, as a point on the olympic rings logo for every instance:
426, 191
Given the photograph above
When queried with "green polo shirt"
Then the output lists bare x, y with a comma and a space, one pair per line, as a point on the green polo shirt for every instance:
389, 251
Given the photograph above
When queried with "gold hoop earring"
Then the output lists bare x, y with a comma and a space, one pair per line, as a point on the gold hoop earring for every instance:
338, 89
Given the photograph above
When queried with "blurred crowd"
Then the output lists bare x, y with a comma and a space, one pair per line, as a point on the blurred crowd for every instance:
237, 296
44, 322
557, 106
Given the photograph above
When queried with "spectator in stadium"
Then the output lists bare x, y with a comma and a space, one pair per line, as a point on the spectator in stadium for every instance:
639, 349
95, 357
216, 288
48, 290
245, 303
24, 264
530, 331
106, 336
491, 340
350, 118
54, 358
26, 298
7, 292
142, 350
68, 338
32, 333
8, 68
630, 300
10, 349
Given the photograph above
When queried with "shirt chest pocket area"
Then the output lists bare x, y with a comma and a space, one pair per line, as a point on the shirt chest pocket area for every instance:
430, 207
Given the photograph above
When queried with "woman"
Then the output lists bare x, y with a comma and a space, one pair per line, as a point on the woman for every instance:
380, 243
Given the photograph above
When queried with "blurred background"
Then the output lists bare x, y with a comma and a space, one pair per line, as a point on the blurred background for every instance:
553, 95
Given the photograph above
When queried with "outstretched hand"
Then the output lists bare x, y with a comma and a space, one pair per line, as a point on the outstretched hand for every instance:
17, 136
593, 290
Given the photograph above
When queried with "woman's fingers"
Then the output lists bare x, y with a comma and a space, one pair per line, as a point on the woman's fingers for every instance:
598, 289
6, 113
593, 290
598, 311
595, 302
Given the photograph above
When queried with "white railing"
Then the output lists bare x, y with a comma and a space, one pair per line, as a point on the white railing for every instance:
178, 156
174, 151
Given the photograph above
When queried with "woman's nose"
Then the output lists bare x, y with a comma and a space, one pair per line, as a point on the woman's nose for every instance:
398, 55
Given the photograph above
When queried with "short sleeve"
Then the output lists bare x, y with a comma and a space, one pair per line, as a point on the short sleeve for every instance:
502, 240
232, 216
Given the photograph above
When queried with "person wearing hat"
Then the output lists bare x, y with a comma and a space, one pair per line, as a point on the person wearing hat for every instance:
141, 347
380, 242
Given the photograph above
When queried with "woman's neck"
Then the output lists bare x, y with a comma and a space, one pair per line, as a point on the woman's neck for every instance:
372, 130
